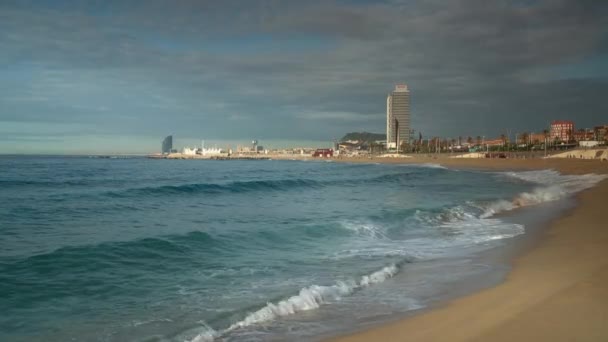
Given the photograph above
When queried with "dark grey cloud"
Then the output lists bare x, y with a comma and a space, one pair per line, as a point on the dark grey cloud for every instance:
302, 70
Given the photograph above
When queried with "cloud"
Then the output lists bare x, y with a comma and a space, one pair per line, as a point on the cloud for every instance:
232, 70
335, 116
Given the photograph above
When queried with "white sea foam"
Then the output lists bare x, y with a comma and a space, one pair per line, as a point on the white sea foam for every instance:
541, 195
476, 230
205, 334
155, 320
363, 229
553, 186
571, 183
460, 227
313, 297
309, 298
388, 249
497, 207
379, 276
427, 165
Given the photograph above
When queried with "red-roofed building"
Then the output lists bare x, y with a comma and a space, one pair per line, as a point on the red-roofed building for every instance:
562, 130
323, 153
494, 142
583, 135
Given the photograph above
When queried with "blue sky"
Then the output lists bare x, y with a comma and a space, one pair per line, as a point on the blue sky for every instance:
117, 76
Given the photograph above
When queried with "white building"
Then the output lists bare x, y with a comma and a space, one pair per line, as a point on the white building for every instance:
214, 151
591, 143
188, 151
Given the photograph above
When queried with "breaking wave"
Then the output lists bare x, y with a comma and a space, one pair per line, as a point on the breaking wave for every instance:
551, 186
431, 166
309, 298
462, 226
367, 229
473, 223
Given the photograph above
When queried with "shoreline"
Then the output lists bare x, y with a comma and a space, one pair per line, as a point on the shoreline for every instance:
554, 290
562, 165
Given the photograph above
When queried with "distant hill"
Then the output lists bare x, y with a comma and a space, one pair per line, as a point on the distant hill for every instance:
364, 136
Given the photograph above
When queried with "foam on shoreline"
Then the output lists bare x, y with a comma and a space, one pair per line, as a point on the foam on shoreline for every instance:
562, 287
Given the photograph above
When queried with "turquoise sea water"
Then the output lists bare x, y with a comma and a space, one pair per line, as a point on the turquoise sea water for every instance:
170, 250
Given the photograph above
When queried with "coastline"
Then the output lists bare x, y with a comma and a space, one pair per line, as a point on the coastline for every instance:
555, 290
563, 165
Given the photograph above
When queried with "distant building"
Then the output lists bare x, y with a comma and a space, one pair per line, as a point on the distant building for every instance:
537, 138
323, 153
601, 132
347, 146
167, 146
561, 130
212, 151
523, 139
187, 151
583, 135
398, 116
494, 142
589, 143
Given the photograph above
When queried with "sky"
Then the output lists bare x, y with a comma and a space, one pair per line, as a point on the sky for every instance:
116, 76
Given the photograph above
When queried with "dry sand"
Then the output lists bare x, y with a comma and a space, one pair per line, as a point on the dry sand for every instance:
557, 291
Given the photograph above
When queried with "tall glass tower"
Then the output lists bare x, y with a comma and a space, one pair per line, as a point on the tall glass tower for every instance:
167, 144
398, 116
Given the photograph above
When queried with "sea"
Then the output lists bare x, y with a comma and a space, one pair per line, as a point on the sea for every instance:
137, 249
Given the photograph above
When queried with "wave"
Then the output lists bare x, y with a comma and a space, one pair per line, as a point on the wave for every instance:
551, 186
205, 334
366, 229
123, 259
571, 183
536, 196
474, 223
259, 185
429, 166
228, 187
462, 226
309, 298
39, 183
497, 207
212, 188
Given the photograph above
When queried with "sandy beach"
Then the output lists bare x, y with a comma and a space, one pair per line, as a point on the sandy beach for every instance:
557, 291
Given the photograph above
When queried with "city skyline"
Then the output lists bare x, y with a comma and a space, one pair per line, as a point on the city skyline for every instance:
113, 76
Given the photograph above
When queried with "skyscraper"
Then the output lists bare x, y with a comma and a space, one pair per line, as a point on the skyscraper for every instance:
167, 144
398, 116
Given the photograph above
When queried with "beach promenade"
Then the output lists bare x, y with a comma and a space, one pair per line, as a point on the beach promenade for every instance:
556, 291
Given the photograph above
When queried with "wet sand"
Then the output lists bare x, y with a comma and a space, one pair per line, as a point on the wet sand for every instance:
556, 291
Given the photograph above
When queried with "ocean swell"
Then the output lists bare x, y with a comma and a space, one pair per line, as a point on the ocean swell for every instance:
257, 185
212, 188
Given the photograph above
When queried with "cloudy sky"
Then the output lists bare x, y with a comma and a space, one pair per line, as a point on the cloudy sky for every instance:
117, 76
